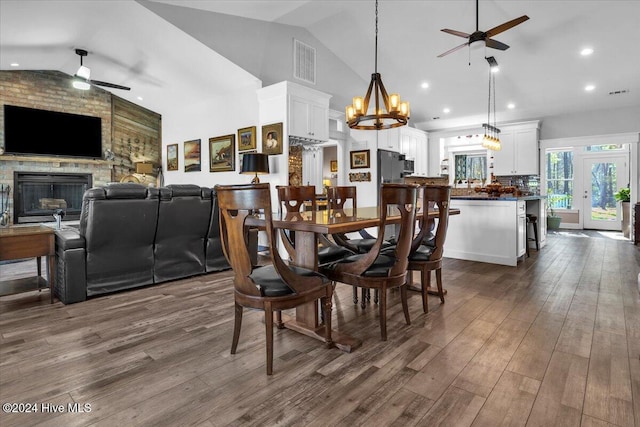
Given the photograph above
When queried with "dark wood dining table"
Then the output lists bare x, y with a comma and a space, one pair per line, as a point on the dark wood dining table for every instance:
308, 226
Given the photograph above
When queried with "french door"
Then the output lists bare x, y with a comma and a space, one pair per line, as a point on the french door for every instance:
602, 177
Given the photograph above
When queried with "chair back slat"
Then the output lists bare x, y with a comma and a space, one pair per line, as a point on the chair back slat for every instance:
434, 196
395, 199
293, 198
337, 197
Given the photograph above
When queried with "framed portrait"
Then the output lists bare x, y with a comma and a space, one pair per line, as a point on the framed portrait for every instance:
247, 138
272, 138
360, 159
334, 166
222, 151
172, 157
192, 155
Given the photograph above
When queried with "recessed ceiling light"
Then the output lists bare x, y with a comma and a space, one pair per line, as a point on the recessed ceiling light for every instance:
15, 64
446, 110
589, 88
424, 85
586, 51
511, 106
140, 98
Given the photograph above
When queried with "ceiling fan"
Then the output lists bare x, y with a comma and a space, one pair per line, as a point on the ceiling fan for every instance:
84, 73
485, 36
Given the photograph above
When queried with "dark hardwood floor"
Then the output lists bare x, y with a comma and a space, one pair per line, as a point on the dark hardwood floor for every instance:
553, 341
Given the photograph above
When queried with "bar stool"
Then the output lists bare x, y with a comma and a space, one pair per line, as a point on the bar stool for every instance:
533, 220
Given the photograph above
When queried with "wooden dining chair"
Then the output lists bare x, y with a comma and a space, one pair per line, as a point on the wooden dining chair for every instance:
291, 200
373, 270
337, 199
428, 244
273, 287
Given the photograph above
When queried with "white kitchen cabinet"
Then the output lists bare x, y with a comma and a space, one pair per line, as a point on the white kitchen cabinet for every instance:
308, 118
413, 144
519, 153
522, 228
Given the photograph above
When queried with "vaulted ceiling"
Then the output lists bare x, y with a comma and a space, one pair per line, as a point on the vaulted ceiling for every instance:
542, 73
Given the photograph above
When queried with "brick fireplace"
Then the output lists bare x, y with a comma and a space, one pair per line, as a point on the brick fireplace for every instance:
129, 131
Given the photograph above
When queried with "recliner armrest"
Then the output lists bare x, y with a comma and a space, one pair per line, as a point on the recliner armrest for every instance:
69, 239
71, 280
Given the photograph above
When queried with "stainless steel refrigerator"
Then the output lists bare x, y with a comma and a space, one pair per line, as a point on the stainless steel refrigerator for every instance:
390, 167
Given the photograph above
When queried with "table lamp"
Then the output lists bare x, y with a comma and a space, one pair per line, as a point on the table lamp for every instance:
255, 163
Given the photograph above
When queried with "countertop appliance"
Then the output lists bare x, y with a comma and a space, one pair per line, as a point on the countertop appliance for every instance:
409, 167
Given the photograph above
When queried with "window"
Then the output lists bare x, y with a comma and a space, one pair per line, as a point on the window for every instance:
560, 179
471, 167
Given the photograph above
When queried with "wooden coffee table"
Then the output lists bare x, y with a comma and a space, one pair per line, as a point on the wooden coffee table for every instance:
28, 242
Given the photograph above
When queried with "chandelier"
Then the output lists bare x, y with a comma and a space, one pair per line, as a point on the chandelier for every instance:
395, 113
491, 139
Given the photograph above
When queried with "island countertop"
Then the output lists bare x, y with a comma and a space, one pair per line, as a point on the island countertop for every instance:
505, 198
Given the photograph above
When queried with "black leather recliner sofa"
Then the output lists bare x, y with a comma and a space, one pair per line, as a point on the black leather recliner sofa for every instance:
132, 236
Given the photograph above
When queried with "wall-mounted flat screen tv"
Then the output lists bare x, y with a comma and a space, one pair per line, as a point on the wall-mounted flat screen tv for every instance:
51, 133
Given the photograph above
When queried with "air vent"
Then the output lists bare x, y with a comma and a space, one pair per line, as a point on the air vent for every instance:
304, 62
619, 92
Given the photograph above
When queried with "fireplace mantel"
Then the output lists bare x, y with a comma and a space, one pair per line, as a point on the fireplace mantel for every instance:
54, 160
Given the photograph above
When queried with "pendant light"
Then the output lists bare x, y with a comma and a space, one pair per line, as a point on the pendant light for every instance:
491, 139
392, 113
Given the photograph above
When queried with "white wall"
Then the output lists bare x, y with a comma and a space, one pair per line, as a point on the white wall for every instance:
587, 123
264, 49
207, 119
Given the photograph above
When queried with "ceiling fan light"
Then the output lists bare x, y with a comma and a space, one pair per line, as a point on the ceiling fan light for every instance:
84, 72
79, 84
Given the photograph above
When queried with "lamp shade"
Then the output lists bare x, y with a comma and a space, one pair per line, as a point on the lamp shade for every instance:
255, 163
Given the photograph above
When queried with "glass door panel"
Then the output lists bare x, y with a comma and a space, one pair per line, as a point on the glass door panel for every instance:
602, 178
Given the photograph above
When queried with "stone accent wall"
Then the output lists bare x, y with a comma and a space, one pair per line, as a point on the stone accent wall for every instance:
52, 90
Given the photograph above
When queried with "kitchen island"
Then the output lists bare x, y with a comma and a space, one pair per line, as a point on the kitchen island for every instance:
493, 229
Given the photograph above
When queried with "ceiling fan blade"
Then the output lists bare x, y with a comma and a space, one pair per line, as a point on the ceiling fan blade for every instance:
453, 50
495, 44
456, 33
111, 85
504, 27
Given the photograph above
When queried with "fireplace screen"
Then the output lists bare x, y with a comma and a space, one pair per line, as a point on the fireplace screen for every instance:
38, 196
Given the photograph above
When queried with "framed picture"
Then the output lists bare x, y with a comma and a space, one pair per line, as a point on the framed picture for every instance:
192, 155
172, 157
360, 159
334, 166
222, 151
272, 138
247, 138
